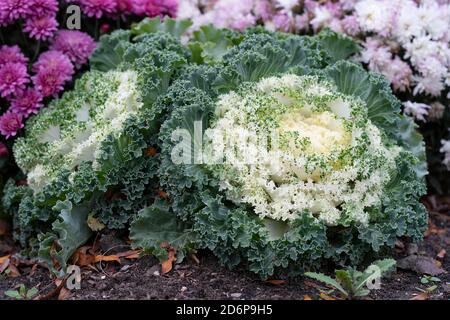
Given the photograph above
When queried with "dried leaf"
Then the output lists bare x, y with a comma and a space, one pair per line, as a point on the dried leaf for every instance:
99, 258
163, 194
4, 264
33, 269
433, 229
64, 293
130, 254
166, 266
421, 296
306, 297
150, 152
324, 296
13, 271
420, 264
82, 258
4, 258
441, 254
3, 227
276, 282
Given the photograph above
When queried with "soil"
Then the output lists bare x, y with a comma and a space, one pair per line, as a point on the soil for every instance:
206, 279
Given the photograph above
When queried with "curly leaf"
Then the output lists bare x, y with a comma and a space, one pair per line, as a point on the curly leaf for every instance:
338, 46
70, 231
157, 224
150, 25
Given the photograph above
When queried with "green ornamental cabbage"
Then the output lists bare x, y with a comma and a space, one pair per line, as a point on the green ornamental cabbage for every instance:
274, 150
281, 155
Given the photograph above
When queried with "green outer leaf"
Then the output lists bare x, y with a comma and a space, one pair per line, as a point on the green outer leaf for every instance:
70, 231
327, 280
337, 45
109, 52
150, 25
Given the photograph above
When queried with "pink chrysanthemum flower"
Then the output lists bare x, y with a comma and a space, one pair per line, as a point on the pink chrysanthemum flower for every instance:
14, 9
43, 7
12, 54
76, 45
153, 8
54, 59
124, 6
4, 152
10, 123
98, 8
27, 102
53, 69
41, 28
13, 78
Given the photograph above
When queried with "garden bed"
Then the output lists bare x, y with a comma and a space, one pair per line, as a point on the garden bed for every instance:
206, 279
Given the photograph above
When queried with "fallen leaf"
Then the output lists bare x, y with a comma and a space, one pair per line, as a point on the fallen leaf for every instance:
163, 194
94, 224
324, 296
13, 271
107, 258
130, 254
421, 296
81, 258
3, 227
433, 229
441, 254
33, 269
306, 297
166, 266
276, 282
4, 264
4, 258
150, 152
420, 264
64, 293
312, 284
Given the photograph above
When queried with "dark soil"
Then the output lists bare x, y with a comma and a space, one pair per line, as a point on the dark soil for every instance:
141, 279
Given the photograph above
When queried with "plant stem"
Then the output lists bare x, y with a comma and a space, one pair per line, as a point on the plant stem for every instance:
36, 51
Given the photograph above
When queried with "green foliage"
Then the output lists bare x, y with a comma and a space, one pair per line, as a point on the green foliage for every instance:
352, 283
68, 233
157, 224
87, 153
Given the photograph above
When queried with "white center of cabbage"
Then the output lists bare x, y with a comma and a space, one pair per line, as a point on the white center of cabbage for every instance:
324, 131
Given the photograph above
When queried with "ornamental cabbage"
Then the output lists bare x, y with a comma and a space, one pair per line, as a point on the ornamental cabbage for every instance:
274, 151
282, 155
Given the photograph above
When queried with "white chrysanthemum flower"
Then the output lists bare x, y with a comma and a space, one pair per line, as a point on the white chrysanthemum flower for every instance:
417, 110
445, 149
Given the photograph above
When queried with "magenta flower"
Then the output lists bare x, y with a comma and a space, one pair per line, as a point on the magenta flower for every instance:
3, 150
124, 6
13, 78
54, 59
14, 9
76, 45
161, 8
12, 54
27, 102
10, 123
43, 7
52, 69
41, 28
153, 8
97, 8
